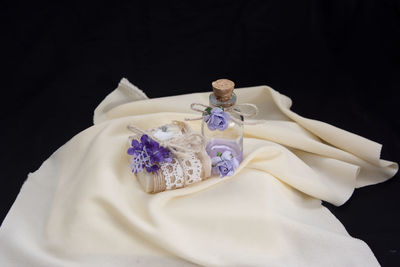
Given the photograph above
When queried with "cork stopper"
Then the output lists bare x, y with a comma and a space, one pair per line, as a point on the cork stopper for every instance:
223, 89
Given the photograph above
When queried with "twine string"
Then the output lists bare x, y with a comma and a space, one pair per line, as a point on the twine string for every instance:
237, 109
187, 143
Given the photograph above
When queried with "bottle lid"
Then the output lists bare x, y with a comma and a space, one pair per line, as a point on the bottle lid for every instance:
223, 89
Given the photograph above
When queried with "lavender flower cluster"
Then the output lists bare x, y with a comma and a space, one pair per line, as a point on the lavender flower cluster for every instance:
147, 154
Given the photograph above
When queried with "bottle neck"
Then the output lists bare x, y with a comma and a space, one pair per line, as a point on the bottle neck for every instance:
214, 102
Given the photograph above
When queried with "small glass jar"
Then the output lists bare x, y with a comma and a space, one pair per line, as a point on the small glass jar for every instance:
231, 138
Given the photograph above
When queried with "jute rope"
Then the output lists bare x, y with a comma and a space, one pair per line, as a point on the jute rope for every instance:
158, 182
187, 143
233, 109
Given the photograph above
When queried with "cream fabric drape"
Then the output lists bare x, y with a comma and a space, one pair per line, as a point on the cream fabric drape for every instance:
84, 207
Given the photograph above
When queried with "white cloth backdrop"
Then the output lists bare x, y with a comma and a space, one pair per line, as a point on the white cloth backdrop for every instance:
84, 207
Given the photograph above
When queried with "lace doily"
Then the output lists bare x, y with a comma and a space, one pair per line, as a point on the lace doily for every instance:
178, 174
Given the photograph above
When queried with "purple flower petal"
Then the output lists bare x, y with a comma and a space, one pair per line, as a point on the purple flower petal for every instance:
152, 145
168, 160
145, 139
135, 143
153, 168
156, 157
216, 110
227, 155
218, 120
235, 163
131, 151
211, 127
215, 160
227, 116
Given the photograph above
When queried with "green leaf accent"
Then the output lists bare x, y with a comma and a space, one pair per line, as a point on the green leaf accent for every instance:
208, 110
219, 154
221, 107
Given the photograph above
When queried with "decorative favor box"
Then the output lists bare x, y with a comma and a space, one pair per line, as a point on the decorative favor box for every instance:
189, 162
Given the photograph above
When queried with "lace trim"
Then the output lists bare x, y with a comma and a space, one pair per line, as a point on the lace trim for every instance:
173, 174
178, 175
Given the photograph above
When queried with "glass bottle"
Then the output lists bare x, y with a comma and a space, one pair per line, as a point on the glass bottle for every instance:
231, 138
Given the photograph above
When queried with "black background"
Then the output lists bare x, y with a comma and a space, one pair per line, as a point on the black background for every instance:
339, 61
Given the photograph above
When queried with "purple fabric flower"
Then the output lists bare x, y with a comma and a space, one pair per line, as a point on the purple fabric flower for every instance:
147, 154
217, 119
135, 148
224, 164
